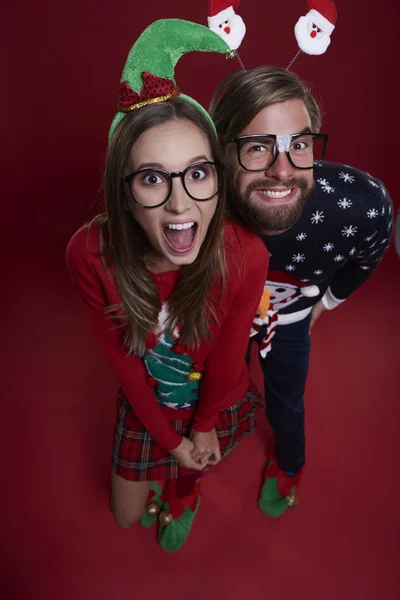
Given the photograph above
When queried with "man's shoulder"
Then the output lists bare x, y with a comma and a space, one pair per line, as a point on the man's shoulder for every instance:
339, 180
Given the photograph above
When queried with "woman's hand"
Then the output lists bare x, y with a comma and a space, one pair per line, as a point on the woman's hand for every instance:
206, 447
184, 455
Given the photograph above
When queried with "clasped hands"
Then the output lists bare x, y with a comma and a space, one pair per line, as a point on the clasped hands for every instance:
198, 452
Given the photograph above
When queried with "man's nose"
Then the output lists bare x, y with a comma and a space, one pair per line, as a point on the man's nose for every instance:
281, 169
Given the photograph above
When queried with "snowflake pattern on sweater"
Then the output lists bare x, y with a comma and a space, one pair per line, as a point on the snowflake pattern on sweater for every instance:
339, 240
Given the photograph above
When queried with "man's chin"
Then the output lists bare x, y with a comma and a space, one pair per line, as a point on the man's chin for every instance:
269, 217
277, 218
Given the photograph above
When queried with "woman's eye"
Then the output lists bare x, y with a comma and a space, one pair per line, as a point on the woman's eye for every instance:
197, 174
152, 179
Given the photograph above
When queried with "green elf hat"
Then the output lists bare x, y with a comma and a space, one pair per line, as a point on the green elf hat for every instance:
148, 75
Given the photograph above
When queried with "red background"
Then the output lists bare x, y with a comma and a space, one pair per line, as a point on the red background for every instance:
60, 74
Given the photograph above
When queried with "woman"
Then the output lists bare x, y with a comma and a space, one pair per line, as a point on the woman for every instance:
171, 290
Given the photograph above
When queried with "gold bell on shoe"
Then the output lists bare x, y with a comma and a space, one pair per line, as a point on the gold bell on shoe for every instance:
292, 500
165, 518
152, 509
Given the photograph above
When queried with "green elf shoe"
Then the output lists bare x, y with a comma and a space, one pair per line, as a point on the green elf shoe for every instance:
154, 506
279, 490
176, 520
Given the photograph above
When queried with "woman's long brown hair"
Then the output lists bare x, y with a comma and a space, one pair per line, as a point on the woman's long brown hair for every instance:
124, 245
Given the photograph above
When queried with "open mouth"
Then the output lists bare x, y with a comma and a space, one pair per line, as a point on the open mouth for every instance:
181, 237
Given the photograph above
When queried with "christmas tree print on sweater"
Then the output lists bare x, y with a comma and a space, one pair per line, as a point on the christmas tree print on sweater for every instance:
171, 371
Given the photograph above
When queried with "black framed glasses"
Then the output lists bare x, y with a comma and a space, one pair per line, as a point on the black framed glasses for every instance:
259, 152
150, 187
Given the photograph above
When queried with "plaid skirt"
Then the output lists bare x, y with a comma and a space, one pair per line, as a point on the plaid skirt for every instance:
138, 457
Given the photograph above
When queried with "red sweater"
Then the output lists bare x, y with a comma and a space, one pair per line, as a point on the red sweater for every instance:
226, 378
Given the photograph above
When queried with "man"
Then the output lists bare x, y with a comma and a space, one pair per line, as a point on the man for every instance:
326, 227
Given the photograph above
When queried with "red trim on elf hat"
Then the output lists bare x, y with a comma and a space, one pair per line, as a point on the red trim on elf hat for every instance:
153, 87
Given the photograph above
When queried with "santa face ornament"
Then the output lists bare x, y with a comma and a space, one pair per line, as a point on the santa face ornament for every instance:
313, 31
226, 23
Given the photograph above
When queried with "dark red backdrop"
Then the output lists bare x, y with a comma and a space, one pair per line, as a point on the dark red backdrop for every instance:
61, 65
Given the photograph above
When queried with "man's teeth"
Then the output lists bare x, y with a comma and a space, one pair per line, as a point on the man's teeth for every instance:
180, 225
272, 194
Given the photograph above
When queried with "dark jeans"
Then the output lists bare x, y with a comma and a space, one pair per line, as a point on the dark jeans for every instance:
285, 369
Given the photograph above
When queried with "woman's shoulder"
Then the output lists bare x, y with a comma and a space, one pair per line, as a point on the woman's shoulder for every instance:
84, 245
242, 241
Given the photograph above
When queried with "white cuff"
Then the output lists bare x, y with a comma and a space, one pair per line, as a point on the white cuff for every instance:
330, 301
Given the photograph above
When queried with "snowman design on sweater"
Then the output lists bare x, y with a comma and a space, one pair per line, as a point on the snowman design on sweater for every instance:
339, 240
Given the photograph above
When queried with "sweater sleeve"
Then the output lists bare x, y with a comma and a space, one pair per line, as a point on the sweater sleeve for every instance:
129, 370
226, 361
360, 267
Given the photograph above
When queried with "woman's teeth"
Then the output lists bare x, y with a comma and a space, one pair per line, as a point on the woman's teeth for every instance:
272, 194
181, 225
180, 236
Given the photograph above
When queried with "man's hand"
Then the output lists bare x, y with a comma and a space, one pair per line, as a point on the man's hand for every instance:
183, 454
316, 312
206, 447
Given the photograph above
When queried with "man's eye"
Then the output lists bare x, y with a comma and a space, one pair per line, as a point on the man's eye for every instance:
257, 149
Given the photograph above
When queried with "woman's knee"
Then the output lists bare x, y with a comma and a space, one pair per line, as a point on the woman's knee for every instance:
128, 500
124, 518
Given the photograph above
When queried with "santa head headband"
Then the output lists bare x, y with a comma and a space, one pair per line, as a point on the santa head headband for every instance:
148, 75
223, 20
313, 31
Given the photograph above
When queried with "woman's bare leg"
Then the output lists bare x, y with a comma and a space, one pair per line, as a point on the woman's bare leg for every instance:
128, 500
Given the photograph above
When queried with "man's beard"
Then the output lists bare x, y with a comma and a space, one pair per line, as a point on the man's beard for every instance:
265, 217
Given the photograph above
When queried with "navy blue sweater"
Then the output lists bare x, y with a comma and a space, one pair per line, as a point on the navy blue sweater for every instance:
341, 236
